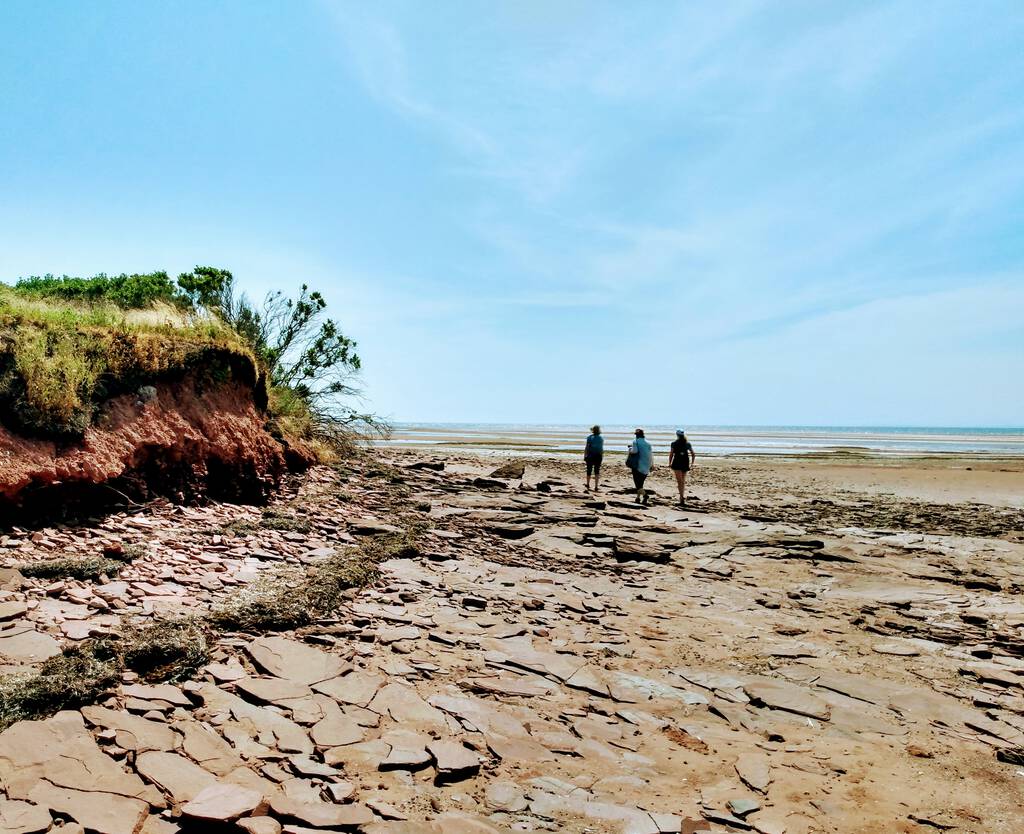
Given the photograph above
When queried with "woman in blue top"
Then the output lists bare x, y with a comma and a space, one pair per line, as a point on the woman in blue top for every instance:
641, 460
593, 454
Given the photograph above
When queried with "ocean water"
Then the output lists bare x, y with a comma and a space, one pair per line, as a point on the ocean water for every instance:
896, 441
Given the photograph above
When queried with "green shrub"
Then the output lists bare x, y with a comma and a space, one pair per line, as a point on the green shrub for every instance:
126, 291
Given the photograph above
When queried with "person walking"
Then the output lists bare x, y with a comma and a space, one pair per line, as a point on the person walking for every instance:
593, 454
680, 460
641, 461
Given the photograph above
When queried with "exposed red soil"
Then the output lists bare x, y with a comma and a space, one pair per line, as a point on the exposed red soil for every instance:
187, 441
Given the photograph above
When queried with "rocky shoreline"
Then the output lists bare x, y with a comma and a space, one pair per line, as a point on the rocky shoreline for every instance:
533, 657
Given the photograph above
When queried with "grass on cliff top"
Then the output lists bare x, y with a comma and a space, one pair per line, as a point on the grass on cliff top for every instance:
60, 357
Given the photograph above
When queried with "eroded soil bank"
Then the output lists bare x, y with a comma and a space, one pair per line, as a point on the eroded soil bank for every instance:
542, 659
181, 439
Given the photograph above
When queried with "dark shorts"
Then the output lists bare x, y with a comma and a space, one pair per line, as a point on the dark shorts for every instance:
594, 464
638, 479
681, 467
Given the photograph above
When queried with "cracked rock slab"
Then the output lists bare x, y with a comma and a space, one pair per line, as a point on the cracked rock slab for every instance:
294, 661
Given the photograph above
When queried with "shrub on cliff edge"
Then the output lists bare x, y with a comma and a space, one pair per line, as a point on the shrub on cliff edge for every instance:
312, 367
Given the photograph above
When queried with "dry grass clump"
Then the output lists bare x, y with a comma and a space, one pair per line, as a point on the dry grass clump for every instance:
165, 650
290, 599
83, 567
274, 602
78, 676
270, 519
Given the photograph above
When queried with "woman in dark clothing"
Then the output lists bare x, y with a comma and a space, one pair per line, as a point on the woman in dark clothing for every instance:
593, 454
680, 460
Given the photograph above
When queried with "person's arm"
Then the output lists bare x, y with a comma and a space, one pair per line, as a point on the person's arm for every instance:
671, 453
693, 456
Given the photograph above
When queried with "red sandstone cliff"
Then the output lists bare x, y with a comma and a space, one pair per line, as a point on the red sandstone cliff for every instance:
183, 441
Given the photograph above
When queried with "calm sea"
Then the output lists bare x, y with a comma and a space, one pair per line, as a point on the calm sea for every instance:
719, 440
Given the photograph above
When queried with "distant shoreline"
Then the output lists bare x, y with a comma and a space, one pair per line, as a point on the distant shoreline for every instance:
833, 443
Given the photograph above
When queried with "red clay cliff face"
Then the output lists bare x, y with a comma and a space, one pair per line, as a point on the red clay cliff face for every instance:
183, 442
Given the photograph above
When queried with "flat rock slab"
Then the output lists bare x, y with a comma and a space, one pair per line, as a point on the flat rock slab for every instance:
222, 802
18, 817
403, 704
630, 820
789, 697
453, 760
12, 610
272, 690
322, 814
260, 825
29, 646
335, 730
505, 796
289, 737
408, 751
96, 811
157, 692
61, 752
357, 688
294, 661
898, 649
180, 778
754, 770
133, 731
208, 748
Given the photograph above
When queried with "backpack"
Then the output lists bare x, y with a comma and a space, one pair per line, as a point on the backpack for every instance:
632, 459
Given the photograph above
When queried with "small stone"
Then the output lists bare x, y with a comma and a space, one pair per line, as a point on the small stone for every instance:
454, 761
12, 610
742, 807
505, 796
260, 825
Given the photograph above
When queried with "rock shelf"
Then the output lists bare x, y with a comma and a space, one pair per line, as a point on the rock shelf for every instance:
538, 661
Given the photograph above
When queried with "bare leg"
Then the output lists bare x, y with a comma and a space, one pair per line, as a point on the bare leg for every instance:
681, 484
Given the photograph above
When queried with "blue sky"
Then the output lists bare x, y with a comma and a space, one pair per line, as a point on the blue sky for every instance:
753, 212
